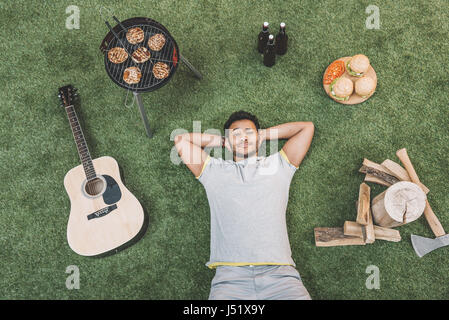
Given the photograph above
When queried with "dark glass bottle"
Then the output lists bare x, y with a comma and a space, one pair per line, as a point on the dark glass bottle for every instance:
263, 38
281, 40
269, 55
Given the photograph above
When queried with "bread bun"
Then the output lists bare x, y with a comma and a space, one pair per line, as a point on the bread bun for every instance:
342, 88
359, 64
365, 86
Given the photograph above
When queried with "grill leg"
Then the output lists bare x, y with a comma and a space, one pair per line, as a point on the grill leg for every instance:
192, 68
143, 114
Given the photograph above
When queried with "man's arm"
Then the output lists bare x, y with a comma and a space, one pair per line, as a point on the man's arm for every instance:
299, 135
190, 149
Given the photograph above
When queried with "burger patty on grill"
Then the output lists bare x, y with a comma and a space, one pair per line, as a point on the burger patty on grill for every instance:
141, 55
156, 42
132, 75
135, 35
117, 55
161, 70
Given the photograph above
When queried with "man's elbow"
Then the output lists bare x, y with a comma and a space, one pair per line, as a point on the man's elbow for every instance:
310, 129
311, 126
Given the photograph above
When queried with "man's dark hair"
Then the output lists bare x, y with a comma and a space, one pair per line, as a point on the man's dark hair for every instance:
241, 115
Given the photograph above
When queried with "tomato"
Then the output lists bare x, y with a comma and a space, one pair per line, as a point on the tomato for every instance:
335, 70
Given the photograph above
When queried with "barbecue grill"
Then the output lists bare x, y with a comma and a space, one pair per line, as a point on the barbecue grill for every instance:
169, 54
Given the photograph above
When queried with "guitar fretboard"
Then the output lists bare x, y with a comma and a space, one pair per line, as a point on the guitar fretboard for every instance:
81, 144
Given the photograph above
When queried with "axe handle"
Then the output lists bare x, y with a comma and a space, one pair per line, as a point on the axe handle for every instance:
433, 221
431, 218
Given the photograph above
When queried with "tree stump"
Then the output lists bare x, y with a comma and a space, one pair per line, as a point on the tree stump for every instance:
401, 203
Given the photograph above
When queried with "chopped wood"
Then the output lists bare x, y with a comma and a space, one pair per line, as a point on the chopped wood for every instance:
369, 229
399, 172
379, 197
330, 237
379, 174
376, 166
352, 228
371, 178
396, 170
387, 234
401, 203
364, 214
363, 204
380, 214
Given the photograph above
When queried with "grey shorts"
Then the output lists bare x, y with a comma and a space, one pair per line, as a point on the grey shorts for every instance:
266, 282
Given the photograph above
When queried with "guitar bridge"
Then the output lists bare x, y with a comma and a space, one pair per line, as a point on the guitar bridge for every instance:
102, 212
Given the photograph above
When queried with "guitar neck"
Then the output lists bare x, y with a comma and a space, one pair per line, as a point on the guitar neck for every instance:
80, 142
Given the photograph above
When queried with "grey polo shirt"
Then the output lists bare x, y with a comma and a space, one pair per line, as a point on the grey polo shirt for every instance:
248, 202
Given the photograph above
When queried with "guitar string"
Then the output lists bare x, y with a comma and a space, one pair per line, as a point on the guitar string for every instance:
70, 118
88, 184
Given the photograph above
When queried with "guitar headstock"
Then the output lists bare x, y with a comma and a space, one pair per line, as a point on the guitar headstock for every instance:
67, 95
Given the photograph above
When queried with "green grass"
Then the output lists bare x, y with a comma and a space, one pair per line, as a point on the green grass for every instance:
410, 109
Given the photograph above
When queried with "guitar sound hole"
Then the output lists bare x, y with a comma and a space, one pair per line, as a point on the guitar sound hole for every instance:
94, 187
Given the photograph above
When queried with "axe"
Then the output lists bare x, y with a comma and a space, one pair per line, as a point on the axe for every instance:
424, 245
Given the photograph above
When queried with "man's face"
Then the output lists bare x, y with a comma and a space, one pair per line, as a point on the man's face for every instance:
243, 138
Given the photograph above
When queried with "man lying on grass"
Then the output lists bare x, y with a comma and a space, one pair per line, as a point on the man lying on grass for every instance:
248, 197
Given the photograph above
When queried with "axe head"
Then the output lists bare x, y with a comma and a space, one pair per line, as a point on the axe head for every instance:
423, 245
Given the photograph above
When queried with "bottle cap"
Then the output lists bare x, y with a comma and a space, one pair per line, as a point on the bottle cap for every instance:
265, 24
282, 25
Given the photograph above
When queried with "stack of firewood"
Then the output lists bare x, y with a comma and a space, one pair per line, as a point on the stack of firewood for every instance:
401, 203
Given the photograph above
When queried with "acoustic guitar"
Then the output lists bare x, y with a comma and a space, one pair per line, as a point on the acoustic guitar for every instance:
104, 214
